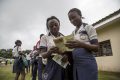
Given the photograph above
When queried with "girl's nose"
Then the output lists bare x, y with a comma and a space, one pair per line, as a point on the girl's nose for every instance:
54, 26
72, 20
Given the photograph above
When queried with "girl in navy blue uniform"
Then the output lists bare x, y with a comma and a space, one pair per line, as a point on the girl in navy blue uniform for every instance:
84, 43
53, 71
40, 64
18, 66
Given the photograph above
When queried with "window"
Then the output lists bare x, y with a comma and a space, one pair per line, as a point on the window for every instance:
104, 49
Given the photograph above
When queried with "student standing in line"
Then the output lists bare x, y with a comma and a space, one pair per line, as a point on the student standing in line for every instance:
34, 62
18, 66
28, 60
40, 64
53, 71
84, 43
10, 61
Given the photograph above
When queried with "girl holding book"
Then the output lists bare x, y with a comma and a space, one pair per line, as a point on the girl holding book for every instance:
53, 71
18, 66
84, 43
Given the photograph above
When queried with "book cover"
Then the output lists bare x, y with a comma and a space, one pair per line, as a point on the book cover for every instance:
60, 43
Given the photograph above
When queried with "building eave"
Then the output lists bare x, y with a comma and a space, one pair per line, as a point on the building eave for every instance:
107, 20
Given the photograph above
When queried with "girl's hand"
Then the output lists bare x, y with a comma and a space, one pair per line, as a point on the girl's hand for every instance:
75, 44
65, 58
20, 53
54, 50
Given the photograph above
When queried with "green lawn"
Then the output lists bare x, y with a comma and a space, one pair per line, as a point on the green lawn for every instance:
109, 75
6, 74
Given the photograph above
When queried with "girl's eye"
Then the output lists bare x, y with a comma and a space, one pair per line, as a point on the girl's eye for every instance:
71, 18
51, 26
56, 24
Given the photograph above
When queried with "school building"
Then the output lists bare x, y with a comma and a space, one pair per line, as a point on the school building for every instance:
108, 30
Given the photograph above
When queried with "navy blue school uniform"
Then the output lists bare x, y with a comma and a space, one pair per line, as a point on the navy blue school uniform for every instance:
34, 65
18, 65
53, 71
39, 62
40, 68
85, 66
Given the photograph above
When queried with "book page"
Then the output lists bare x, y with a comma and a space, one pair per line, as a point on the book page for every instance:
60, 43
58, 59
68, 38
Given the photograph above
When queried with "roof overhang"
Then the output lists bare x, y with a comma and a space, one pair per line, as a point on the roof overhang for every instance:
110, 19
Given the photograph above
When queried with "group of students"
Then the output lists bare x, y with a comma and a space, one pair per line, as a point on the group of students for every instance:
23, 61
36, 61
82, 66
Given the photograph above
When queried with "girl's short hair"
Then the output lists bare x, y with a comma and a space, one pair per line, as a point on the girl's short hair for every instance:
18, 41
41, 35
48, 19
76, 10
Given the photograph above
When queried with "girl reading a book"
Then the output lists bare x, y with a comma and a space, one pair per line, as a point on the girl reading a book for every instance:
18, 66
53, 71
84, 43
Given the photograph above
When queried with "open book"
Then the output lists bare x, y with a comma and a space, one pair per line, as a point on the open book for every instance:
58, 59
60, 43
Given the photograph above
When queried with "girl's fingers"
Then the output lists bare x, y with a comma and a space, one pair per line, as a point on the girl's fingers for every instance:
71, 41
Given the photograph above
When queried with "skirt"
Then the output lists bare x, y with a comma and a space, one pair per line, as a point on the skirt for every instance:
84, 66
53, 71
18, 65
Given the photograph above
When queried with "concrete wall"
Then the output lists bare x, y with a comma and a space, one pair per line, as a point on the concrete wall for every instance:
112, 33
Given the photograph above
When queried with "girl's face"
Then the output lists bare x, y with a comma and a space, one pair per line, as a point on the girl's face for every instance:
19, 44
53, 25
75, 18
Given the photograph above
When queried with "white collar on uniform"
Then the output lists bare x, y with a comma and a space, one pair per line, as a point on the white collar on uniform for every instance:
54, 36
78, 29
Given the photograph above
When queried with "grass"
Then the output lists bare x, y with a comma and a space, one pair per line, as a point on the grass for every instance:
109, 75
6, 74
